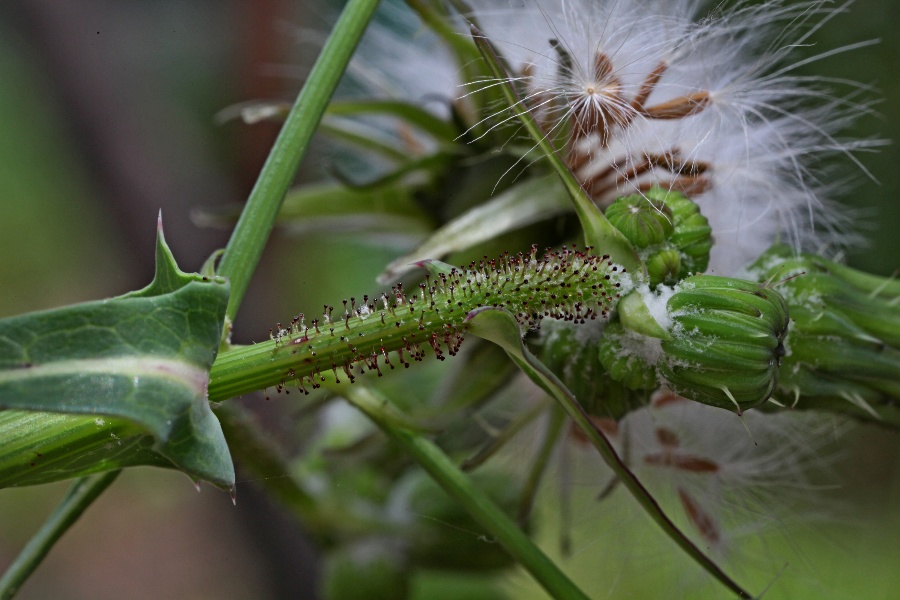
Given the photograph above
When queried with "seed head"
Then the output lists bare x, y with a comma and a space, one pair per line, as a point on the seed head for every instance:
647, 93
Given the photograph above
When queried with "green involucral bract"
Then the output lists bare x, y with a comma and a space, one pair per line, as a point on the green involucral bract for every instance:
645, 222
374, 333
121, 369
723, 348
843, 351
726, 344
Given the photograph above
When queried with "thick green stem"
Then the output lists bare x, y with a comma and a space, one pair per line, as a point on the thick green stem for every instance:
497, 523
76, 501
252, 230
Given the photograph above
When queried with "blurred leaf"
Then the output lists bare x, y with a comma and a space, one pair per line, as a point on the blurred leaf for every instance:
410, 114
255, 111
435, 163
144, 357
365, 137
520, 205
334, 208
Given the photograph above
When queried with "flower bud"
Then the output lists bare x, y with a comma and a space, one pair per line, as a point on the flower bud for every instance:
713, 339
569, 351
664, 267
623, 353
843, 350
691, 235
672, 238
642, 221
726, 343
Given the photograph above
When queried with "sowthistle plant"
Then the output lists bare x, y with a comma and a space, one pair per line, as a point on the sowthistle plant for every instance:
685, 147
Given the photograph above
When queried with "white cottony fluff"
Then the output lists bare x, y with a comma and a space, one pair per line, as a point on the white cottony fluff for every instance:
710, 103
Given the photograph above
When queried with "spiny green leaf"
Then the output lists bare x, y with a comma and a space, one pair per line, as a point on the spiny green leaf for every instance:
143, 357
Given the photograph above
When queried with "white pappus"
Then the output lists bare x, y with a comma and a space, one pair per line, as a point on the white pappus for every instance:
664, 92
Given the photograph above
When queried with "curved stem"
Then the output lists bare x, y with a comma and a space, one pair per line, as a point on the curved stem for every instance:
495, 522
75, 502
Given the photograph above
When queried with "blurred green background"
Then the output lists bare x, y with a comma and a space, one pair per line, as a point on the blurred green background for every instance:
107, 116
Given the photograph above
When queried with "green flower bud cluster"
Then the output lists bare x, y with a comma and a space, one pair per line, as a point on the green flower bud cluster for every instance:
671, 236
843, 351
715, 340
569, 351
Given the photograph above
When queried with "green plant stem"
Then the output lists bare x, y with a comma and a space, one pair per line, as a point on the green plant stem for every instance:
253, 228
498, 326
634, 485
539, 466
75, 502
408, 328
460, 487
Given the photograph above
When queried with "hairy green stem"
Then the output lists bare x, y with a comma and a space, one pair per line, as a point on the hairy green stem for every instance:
497, 523
252, 230
76, 501
393, 330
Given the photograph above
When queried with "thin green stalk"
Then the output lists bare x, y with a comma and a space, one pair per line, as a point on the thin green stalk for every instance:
475, 501
634, 485
76, 501
498, 326
253, 228
539, 466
